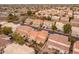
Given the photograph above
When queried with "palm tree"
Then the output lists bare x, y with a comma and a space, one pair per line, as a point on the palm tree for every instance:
54, 28
72, 41
29, 13
67, 29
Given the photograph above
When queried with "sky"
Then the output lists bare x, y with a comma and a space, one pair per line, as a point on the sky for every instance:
39, 1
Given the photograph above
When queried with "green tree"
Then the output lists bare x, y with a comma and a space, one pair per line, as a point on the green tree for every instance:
67, 29
72, 41
18, 38
44, 18
48, 18
7, 30
29, 13
54, 28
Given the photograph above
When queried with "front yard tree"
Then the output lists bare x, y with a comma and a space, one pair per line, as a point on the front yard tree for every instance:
7, 30
18, 38
54, 28
29, 13
67, 28
48, 18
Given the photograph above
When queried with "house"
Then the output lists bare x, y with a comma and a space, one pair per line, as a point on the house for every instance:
76, 16
22, 10
23, 30
28, 21
37, 23
64, 19
76, 47
61, 12
38, 36
12, 25
59, 42
18, 49
59, 26
47, 24
4, 14
70, 13
55, 18
75, 31
75, 22
76, 12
